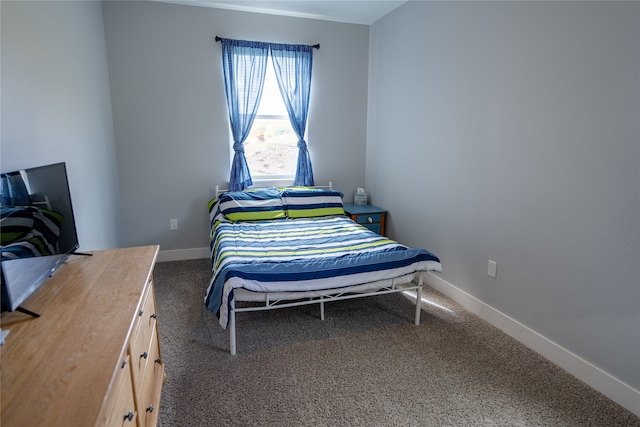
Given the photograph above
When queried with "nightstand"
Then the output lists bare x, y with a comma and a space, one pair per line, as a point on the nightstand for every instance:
370, 216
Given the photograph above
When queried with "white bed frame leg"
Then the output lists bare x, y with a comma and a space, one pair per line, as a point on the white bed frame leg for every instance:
232, 328
418, 300
321, 308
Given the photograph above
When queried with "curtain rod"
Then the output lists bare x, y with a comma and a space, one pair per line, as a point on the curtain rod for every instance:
315, 46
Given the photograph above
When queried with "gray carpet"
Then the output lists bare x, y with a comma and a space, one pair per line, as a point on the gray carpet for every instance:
366, 364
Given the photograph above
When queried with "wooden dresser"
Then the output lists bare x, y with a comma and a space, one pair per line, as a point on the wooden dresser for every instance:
92, 358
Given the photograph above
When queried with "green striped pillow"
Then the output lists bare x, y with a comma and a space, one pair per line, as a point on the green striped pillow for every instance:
306, 203
254, 205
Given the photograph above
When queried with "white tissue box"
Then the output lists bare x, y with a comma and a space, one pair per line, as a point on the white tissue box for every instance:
360, 199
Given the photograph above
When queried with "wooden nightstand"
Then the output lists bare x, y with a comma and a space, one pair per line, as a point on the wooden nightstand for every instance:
370, 216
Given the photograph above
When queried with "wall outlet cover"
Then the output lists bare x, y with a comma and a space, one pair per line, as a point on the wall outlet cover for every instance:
492, 269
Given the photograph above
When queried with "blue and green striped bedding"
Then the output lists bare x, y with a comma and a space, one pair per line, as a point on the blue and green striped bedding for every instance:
303, 254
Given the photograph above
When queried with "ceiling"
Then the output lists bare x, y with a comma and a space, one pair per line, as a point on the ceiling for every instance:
351, 11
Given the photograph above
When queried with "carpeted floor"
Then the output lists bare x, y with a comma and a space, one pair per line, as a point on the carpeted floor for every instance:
366, 364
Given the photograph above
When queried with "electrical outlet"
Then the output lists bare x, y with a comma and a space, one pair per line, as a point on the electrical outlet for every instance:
173, 224
492, 269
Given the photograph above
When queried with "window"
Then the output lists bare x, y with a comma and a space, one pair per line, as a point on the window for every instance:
271, 149
245, 67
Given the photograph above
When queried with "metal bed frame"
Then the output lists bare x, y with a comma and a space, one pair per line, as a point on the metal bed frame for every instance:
275, 300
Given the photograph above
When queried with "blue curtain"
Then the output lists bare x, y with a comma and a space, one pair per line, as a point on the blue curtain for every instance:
292, 65
244, 64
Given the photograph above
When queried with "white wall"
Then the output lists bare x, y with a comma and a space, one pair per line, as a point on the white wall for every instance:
516, 128
56, 106
170, 115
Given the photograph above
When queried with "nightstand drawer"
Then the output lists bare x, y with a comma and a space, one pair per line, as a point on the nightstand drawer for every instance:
373, 227
368, 219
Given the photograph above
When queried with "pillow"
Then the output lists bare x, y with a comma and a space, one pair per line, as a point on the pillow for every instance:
305, 203
254, 205
215, 216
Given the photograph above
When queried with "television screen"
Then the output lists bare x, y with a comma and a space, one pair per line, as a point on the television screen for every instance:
37, 228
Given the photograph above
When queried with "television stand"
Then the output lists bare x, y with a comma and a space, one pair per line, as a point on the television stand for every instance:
25, 311
81, 253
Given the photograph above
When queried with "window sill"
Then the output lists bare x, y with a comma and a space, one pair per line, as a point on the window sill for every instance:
272, 182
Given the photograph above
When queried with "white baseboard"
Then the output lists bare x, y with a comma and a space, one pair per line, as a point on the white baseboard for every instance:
614, 389
183, 254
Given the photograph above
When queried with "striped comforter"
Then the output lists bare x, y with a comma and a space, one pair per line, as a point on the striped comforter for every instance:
303, 254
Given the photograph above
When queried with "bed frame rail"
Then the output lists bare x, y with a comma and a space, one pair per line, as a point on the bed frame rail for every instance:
328, 296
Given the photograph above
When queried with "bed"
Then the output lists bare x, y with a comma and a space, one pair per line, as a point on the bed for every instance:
294, 246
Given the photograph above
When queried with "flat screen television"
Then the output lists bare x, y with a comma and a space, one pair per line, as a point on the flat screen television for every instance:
38, 230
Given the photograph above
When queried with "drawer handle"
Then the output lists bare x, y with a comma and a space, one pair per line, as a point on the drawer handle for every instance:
140, 312
124, 363
145, 355
154, 316
128, 417
158, 361
150, 408
370, 220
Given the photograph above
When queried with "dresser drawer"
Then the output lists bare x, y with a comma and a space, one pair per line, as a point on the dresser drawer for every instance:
141, 342
149, 399
124, 410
